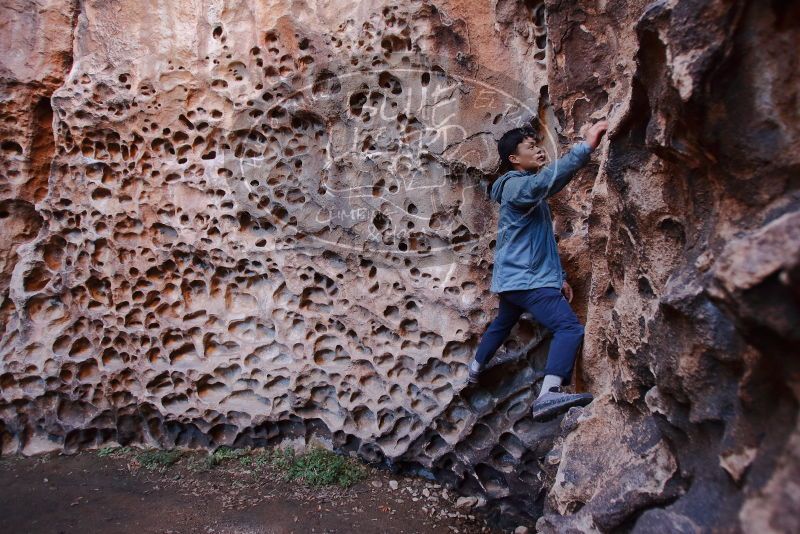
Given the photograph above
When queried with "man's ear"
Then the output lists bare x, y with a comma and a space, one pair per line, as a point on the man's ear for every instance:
513, 158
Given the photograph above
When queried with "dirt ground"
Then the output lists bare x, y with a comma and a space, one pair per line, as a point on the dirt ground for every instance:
91, 492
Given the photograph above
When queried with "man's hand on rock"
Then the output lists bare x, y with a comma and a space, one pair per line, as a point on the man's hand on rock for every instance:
595, 133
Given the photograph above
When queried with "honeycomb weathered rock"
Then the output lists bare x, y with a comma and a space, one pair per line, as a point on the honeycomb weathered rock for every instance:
238, 223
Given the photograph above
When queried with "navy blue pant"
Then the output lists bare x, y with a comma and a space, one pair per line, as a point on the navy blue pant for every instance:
549, 308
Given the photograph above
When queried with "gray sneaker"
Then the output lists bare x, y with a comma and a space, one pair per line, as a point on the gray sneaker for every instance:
556, 400
474, 375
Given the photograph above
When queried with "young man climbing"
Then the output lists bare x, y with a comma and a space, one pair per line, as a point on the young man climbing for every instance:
527, 273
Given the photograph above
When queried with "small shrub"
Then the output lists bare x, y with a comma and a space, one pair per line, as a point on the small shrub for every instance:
113, 451
222, 454
227, 453
262, 459
158, 459
320, 467
106, 451
282, 459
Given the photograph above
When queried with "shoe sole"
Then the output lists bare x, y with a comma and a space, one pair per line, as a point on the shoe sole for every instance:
556, 407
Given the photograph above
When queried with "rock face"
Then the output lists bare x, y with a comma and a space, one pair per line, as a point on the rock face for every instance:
239, 223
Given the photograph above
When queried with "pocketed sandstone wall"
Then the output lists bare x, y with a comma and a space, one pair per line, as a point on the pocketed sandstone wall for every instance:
237, 223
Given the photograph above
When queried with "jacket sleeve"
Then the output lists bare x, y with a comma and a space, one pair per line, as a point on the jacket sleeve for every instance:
527, 190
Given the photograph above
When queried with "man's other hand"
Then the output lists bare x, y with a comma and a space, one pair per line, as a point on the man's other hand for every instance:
595, 133
567, 290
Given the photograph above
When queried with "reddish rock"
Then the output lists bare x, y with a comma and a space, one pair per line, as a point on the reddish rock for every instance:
240, 223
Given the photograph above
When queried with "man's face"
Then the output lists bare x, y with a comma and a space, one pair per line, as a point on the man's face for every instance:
529, 156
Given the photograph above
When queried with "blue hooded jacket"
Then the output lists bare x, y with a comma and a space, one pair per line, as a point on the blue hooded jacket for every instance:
526, 254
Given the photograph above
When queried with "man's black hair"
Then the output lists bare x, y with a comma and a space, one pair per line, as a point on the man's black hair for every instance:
507, 145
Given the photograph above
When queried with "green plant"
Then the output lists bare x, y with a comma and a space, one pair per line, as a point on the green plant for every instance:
106, 451
113, 451
158, 459
262, 459
227, 453
222, 454
320, 467
200, 464
282, 459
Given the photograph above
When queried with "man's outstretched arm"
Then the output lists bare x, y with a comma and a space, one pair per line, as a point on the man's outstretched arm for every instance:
528, 190
564, 168
569, 164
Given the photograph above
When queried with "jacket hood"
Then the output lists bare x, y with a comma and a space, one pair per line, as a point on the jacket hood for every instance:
496, 192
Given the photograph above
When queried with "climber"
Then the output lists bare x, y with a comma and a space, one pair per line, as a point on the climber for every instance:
527, 273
